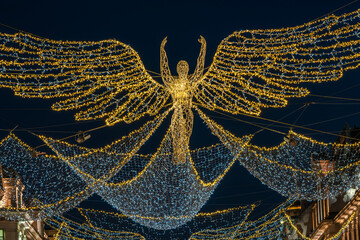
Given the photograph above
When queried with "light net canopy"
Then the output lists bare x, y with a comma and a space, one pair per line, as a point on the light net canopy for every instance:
155, 192
151, 189
50, 185
305, 167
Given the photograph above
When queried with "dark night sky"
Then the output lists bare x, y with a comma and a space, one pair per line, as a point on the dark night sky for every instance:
143, 25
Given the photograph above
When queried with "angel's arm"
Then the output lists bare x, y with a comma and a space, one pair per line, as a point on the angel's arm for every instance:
164, 65
200, 61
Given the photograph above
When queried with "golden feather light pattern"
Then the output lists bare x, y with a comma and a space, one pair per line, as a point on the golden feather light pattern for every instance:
251, 70
104, 79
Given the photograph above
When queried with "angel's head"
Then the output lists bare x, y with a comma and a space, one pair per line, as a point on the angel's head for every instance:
182, 69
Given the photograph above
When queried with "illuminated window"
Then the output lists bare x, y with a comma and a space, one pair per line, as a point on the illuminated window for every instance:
2, 234
21, 236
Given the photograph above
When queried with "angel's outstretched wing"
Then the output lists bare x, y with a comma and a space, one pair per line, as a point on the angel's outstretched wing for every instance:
259, 68
104, 79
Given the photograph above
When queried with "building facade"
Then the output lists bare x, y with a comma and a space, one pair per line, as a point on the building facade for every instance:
329, 218
11, 196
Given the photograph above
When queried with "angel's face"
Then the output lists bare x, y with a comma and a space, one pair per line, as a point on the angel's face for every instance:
182, 69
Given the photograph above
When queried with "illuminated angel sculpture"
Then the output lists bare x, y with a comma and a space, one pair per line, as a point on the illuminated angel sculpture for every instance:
251, 70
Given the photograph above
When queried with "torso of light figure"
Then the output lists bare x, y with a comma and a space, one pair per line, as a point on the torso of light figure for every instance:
181, 88
182, 118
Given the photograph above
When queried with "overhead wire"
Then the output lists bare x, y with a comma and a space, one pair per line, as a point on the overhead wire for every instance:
25, 109
287, 124
153, 72
334, 103
41, 131
272, 124
35, 129
258, 123
333, 119
86, 131
341, 91
302, 112
333, 97
60, 125
344, 6
352, 87
19, 30
297, 126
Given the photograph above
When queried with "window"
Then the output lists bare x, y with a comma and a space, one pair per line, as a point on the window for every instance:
21, 236
2, 234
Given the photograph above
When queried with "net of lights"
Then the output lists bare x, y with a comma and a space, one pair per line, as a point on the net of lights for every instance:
141, 196
140, 193
50, 184
225, 224
298, 166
